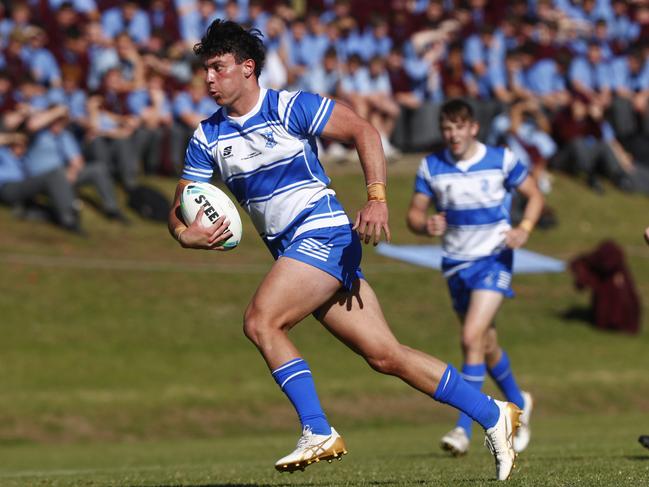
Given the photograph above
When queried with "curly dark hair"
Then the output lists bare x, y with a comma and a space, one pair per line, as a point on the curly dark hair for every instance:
227, 37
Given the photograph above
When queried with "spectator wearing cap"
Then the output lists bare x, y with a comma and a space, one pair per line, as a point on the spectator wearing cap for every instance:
18, 187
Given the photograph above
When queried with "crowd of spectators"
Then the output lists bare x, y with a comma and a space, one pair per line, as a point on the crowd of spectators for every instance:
99, 92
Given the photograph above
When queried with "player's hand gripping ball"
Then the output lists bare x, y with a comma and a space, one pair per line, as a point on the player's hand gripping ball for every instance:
214, 203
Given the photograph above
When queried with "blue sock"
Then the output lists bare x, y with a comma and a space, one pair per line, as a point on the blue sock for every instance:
501, 373
474, 374
454, 390
295, 379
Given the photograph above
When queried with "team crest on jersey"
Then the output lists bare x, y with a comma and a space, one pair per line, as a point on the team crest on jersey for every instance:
270, 139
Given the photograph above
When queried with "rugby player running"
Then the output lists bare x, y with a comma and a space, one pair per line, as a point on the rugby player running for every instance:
262, 144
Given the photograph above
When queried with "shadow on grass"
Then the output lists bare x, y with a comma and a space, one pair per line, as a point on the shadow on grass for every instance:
311, 483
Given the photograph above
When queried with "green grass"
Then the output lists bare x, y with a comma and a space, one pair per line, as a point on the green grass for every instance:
123, 360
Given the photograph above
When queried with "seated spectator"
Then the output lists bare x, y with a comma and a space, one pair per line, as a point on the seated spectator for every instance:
630, 106
163, 18
526, 130
195, 21
375, 39
582, 135
275, 71
369, 93
112, 129
127, 18
324, 78
153, 109
54, 147
190, 107
623, 29
590, 77
18, 187
41, 61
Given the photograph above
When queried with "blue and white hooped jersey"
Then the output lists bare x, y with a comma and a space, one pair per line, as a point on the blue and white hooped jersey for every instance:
268, 159
475, 195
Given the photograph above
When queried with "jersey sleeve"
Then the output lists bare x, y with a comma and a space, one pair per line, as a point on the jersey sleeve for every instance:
306, 114
515, 170
199, 162
422, 180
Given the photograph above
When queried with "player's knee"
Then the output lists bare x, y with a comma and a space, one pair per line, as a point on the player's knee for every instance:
472, 340
386, 361
254, 325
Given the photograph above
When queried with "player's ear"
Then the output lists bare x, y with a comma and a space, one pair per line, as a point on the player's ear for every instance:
248, 68
475, 128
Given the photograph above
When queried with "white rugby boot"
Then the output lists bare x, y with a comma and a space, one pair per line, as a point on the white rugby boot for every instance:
522, 436
499, 438
312, 448
455, 441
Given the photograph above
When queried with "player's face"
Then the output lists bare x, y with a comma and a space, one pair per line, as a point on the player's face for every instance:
224, 78
459, 136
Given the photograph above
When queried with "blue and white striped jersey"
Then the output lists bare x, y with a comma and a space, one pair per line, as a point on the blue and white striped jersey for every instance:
475, 195
269, 161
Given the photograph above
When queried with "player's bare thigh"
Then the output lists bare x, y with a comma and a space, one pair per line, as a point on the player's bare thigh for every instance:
289, 292
356, 318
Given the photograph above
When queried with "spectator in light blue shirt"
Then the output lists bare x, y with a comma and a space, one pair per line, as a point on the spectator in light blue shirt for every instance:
128, 17
630, 107
623, 30
376, 40
194, 22
590, 77
54, 147
41, 61
190, 106
18, 186
153, 109
86, 7
325, 77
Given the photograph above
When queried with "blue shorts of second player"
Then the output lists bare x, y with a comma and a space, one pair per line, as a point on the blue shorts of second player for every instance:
335, 250
492, 273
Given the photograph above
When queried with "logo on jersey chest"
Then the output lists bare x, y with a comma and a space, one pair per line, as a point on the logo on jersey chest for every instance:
227, 152
270, 139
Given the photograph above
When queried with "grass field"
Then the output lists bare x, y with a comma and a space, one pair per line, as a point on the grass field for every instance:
123, 361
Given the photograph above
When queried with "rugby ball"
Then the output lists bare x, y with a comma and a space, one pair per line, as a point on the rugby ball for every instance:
215, 203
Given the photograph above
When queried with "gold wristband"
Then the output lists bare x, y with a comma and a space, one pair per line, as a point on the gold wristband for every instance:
376, 192
178, 231
526, 225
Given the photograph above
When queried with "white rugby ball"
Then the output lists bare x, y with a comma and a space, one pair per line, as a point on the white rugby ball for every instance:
215, 203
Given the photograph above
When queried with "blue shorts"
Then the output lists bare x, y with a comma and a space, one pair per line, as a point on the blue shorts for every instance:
492, 273
336, 250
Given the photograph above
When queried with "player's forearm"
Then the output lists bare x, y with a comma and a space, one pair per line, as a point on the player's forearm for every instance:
533, 209
417, 222
370, 153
